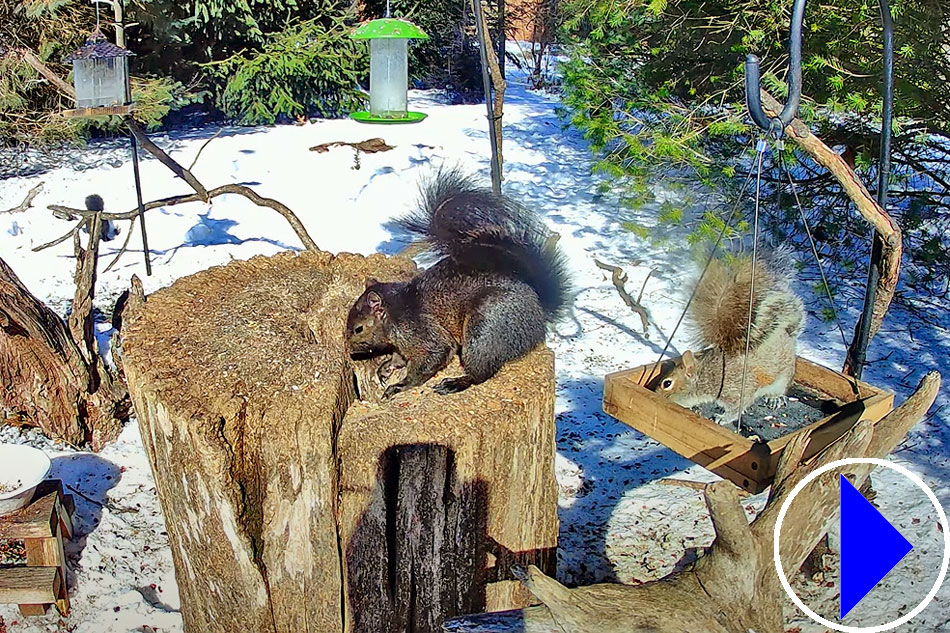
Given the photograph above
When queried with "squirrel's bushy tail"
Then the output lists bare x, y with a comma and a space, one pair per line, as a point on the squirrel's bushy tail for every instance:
720, 309
480, 230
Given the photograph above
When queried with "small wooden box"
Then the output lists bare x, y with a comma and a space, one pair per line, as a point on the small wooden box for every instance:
749, 464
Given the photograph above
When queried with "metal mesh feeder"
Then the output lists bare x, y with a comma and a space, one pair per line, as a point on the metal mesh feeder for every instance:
388, 70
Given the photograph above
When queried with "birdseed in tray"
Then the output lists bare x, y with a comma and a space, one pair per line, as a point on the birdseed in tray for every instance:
804, 407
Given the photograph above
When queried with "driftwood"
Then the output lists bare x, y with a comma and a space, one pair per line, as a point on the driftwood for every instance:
27, 201
291, 504
734, 587
888, 233
52, 374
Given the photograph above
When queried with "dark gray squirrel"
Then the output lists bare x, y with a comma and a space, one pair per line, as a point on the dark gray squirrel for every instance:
94, 202
500, 283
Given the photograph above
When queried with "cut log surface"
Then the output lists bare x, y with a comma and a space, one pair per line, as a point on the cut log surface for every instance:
290, 504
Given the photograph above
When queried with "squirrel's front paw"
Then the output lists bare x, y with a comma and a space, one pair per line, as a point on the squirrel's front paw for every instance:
392, 390
775, 402
453, 385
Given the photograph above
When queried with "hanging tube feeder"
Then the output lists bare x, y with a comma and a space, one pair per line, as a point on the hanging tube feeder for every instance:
388, 70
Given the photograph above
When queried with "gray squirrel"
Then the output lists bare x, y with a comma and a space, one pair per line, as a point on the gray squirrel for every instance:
500, 283
719, 315
94, 202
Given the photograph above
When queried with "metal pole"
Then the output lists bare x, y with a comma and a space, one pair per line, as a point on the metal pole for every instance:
884, 172
483, 44
138, 194
501, 37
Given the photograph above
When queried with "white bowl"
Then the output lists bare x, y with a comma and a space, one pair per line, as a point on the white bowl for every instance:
22, 468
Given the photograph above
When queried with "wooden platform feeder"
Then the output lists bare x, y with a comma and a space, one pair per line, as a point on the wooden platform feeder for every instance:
42, 525
294, 498
747, 463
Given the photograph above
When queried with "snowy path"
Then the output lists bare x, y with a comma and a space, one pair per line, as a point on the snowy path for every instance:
618, 522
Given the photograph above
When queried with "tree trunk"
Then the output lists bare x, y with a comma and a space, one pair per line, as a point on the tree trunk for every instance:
49, 380
290, 504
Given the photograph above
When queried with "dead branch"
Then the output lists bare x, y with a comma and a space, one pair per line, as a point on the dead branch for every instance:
888, 232
619, 279
240, 190
498, 96
27, 202
125, 246
202, 148
167, 160
37, 64
59, 240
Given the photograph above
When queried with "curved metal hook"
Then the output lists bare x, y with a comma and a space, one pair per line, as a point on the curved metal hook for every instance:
753, 85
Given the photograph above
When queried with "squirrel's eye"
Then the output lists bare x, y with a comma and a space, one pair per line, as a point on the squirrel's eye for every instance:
667, 383
359, 329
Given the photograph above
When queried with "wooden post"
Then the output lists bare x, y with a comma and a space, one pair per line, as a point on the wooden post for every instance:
292, 505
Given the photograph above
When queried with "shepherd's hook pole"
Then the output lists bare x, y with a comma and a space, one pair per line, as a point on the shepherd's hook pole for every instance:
884, 172
778, 124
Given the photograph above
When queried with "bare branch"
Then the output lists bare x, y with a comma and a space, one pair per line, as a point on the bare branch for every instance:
202, 148
58, 240
167, 160
241, 190
888, 231
27, 202
619, 279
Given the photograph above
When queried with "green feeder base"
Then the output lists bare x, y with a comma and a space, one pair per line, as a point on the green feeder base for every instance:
366, 117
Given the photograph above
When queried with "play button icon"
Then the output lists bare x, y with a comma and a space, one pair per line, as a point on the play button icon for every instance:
870, 547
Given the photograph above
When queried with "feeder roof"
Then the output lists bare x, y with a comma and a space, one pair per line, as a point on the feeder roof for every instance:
391, 28
98, 47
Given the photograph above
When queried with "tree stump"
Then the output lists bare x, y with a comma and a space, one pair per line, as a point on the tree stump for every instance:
293, 505
51, 375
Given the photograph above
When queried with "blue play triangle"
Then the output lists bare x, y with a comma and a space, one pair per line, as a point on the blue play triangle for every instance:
870, 547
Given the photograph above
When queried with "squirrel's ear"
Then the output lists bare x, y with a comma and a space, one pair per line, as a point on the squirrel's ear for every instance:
689, 362
371, 281
375, 303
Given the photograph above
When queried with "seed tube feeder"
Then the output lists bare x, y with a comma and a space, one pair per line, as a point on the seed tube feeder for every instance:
388, 70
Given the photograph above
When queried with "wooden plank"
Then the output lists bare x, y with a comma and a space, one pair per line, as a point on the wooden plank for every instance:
42, 552
29, 585
683, 431
33, 521
28, 610
748, 464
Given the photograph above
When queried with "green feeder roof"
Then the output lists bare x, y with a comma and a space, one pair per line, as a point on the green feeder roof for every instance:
391, 28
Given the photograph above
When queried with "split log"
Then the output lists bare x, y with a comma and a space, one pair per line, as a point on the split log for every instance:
734, 587
291, 504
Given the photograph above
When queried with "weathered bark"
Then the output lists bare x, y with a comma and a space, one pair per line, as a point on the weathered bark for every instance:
734, 588
49, 379
290, 505
887, 231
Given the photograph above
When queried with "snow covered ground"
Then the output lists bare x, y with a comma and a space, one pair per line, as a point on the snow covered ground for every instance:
619, 520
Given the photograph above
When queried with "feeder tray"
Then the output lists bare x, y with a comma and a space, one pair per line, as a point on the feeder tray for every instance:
117, 110
747, 463
364, 116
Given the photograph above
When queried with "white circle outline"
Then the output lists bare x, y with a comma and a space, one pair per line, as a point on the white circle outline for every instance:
862, 629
